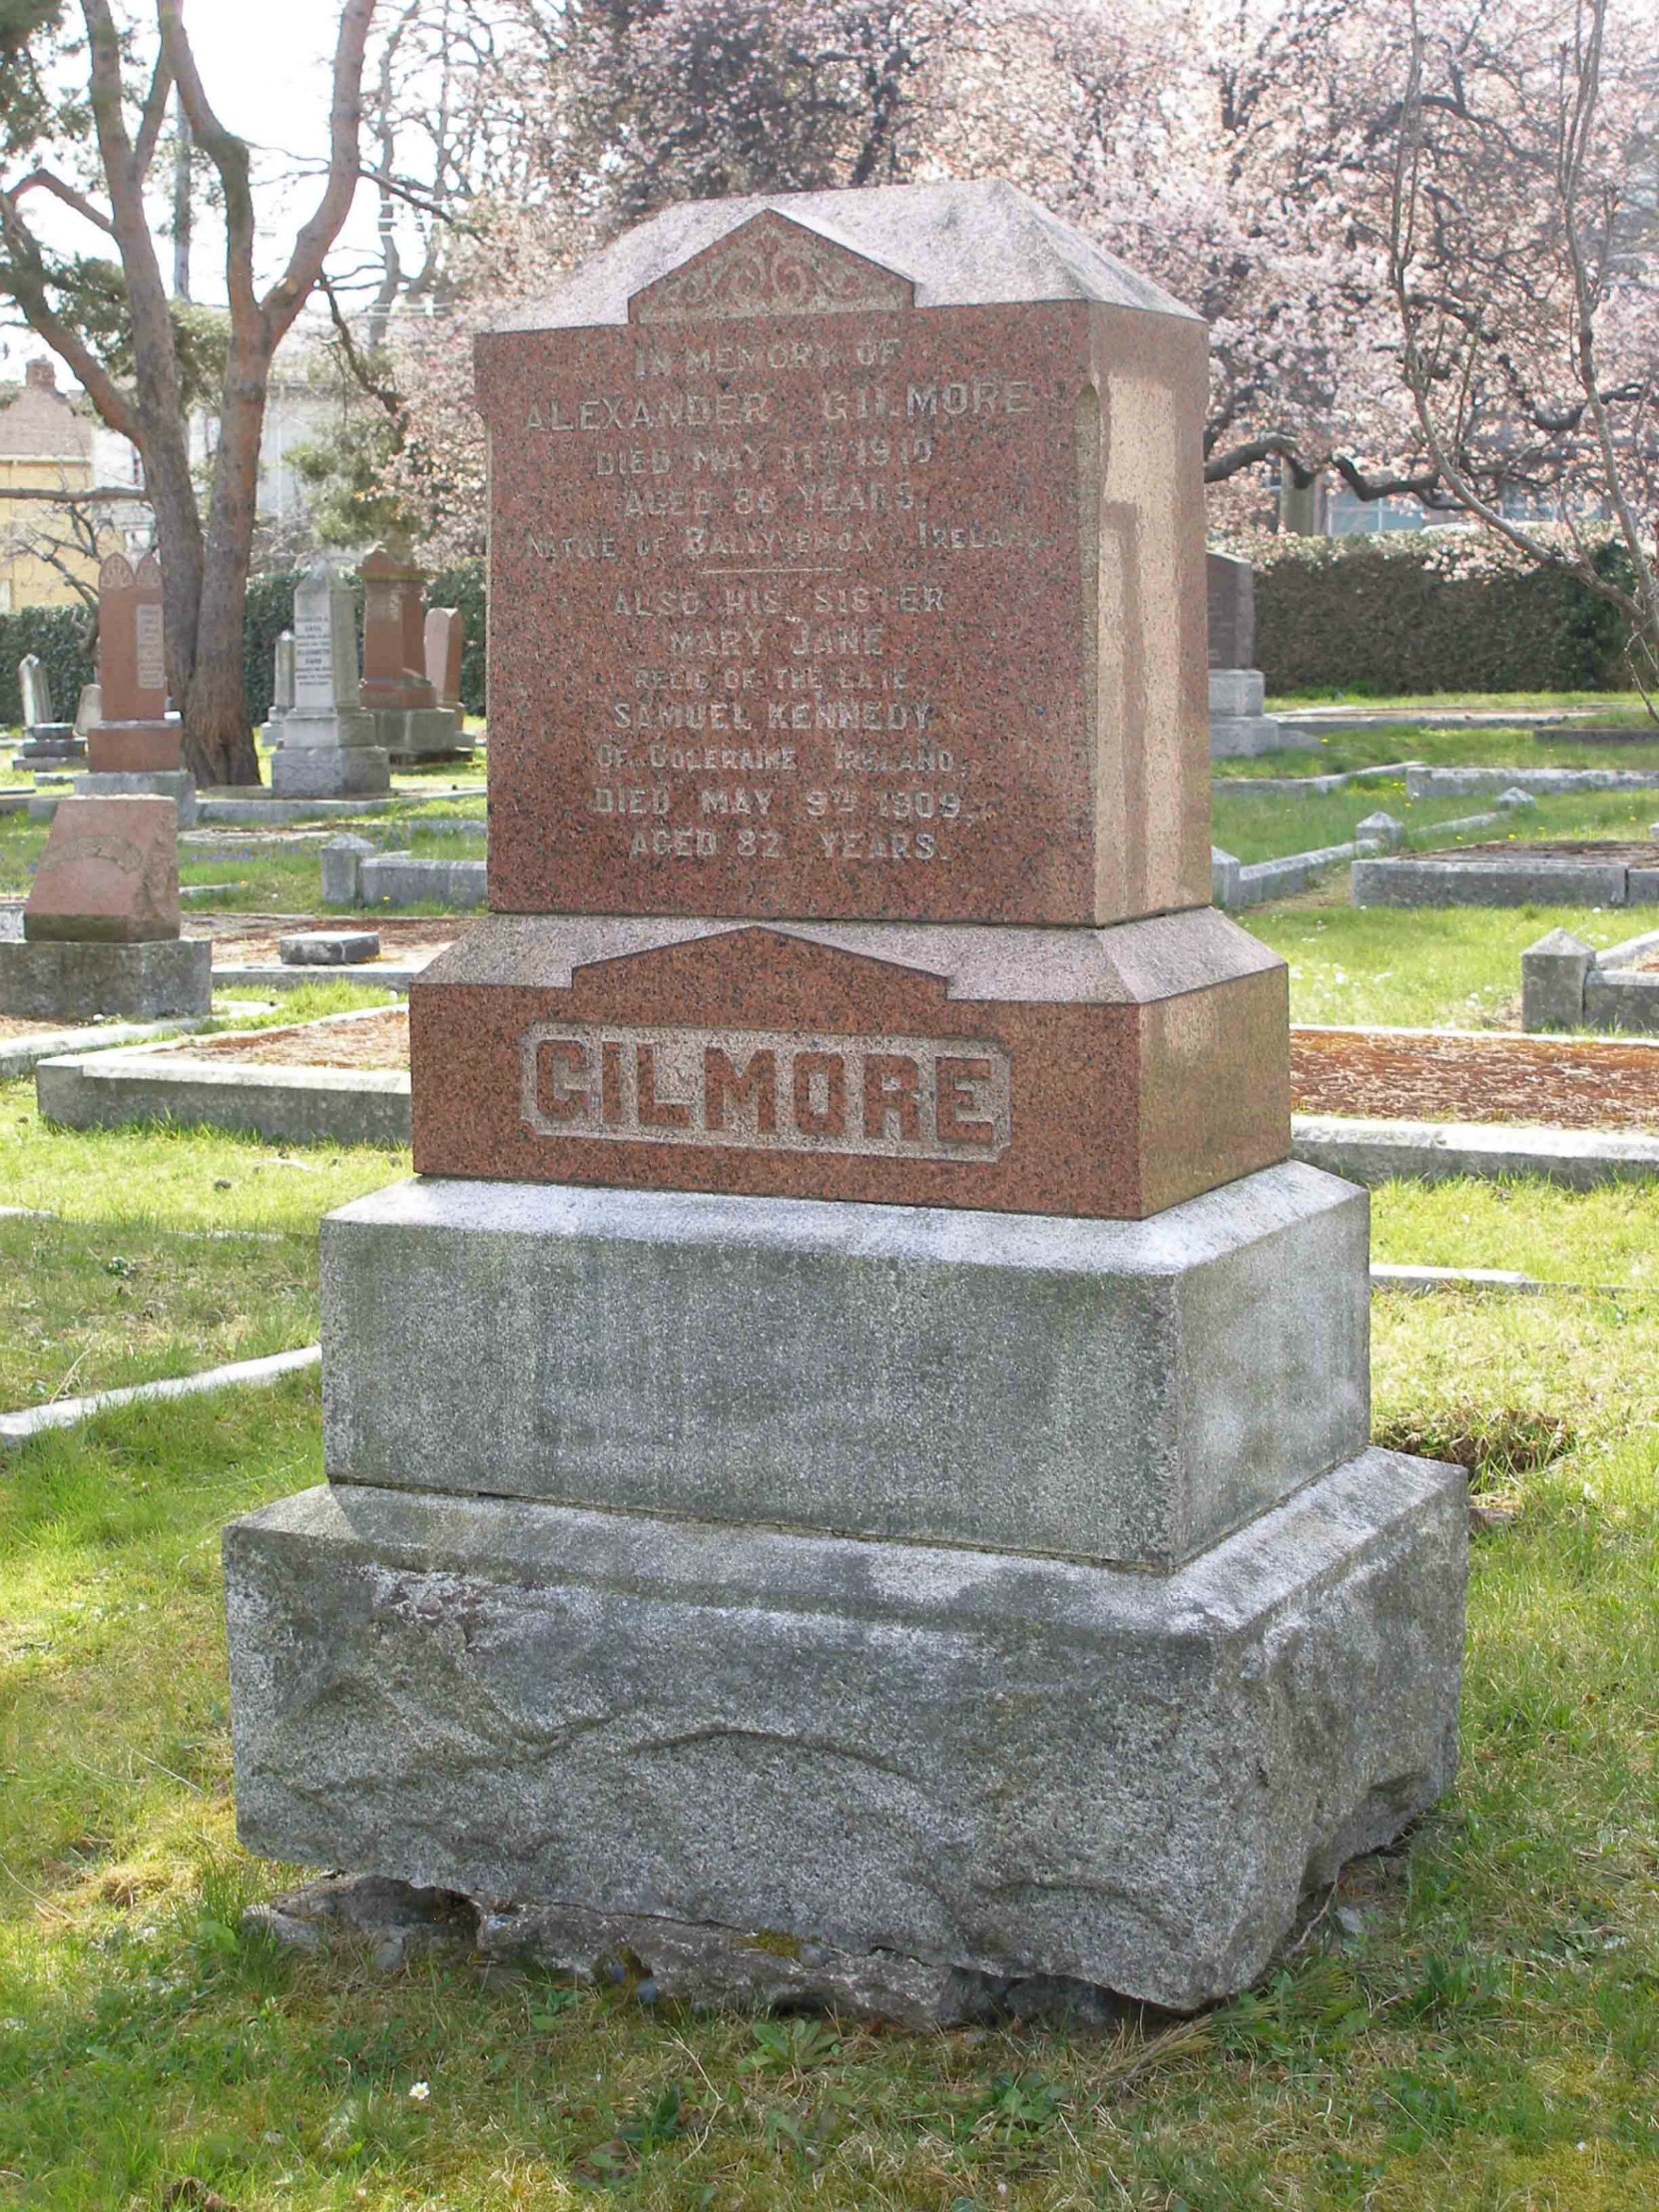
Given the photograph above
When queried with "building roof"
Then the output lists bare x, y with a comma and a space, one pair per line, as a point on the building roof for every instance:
40, 423
959, 245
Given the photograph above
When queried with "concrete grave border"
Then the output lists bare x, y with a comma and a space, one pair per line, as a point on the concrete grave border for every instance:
283, 1104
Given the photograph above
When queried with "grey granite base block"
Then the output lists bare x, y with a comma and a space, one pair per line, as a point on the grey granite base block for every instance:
330, 772
175, 784
420, 733
1236, 692
52, 742
691, 1962
78, 982
1012, 1765
1125, 1390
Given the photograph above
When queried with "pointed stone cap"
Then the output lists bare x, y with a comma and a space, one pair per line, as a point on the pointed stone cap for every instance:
1514, 796
956, 244
1559, 944
1386, 826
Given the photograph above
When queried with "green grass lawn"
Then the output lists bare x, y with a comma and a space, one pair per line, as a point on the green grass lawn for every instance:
1383, 743
1445, 967
1479, 2031
161, 1251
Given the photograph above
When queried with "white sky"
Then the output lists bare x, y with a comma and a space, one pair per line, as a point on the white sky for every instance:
265, 66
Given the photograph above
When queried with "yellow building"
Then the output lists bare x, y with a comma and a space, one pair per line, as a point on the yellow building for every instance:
46, 444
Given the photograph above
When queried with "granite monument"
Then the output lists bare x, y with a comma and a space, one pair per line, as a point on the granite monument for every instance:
101, 921
136, 747
446, 639
858, 1431
329, 744
410, 723
1238, 689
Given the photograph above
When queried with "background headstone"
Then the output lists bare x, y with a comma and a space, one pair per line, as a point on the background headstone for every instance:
131, 647
43, 739
412, 724
327, 745
1238, 690
35, 691
135, 735
1231, 591
281, 686
445, 643
109, 873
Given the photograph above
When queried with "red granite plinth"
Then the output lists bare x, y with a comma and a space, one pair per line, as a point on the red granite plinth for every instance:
1099, 1073
134, 748
109, 875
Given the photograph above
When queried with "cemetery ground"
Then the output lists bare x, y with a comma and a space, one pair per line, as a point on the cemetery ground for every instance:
1468, 2022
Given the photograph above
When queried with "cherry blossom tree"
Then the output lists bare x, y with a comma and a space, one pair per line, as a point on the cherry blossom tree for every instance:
1525, 265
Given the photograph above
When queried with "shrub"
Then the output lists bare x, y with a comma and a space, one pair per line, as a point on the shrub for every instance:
60, 638
1440, 611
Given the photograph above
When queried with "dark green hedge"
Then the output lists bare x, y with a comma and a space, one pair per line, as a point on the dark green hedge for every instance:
1394, 615
271, 611
57, 636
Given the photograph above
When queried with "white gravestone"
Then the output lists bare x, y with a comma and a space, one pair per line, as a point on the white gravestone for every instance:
328, 741
43, 738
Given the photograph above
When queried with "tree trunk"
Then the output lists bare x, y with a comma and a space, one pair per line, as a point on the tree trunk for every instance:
218, 732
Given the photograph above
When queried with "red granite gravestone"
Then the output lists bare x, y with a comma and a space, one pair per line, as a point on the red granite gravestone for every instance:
847, 586
1230, 591
135, 733
394, 648
109, 875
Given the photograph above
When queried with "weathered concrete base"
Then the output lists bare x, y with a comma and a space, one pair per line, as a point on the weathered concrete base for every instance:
174, 783
1015, 1766
78, 982
671, 1961
330, 772
422, 732
288, 1105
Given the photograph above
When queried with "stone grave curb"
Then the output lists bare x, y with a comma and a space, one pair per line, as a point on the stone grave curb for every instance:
1373, 1152
66, 1412
1567, 984
1515, 881
273, 977
18, 1055
283, 1104
1542, 783
1305, 787
278, 811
